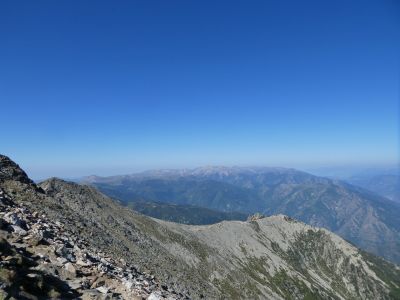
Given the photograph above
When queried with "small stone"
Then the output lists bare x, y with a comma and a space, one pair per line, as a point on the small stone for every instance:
37, 240
155, 296
82, 263
128, 284
70, 269
14, 219
65, 252
99, 281
75, 284
62, 260
18, 230
102, 289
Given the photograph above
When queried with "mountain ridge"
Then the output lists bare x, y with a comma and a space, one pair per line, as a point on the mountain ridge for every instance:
361, 216
274, 257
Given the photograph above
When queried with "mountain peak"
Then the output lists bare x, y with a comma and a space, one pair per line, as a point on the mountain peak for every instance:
9, 170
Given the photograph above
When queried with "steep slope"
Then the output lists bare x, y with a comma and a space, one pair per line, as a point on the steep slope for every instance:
268, 258
281, 257
40, 260
366, 219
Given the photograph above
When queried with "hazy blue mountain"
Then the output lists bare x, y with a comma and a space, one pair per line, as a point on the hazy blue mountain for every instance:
386, 185
348, 171
368, 220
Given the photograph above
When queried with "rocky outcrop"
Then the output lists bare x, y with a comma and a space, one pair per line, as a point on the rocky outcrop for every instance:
9, 170
255, 217
40, 259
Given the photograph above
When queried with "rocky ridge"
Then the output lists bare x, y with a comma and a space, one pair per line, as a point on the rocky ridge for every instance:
272, 257
39, 259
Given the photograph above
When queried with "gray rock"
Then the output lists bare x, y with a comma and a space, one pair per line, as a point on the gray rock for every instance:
18, 230
14, 219
62, 260
65, 252
69, 267
103, 289
155, 296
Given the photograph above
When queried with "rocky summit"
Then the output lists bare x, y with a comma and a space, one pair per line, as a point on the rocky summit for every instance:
62, 240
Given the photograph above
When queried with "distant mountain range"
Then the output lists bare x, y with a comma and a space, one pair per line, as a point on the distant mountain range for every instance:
358, 215
386, 185
266, 258
384, 181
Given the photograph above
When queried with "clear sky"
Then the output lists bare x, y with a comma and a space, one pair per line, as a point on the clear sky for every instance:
108, 87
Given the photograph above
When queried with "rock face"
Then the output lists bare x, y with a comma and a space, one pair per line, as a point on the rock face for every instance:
369, 221
84, 244
9, 170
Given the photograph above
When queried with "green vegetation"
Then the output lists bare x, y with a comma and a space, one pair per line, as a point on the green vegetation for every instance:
226, 288
386, 272
291, 288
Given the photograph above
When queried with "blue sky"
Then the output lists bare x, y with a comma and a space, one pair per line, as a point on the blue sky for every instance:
104, 87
